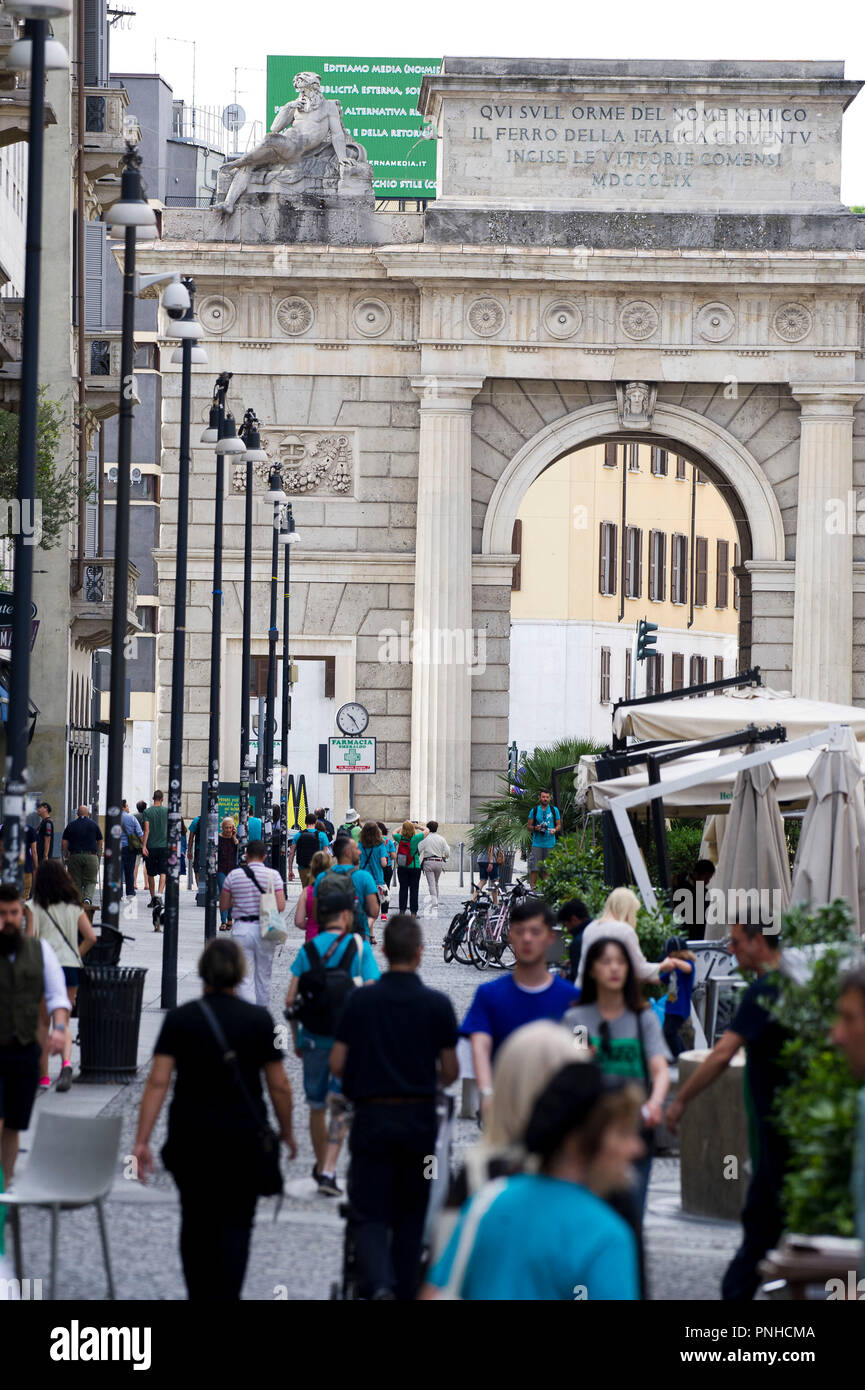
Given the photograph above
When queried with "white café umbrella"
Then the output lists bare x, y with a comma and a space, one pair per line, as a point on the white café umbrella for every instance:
754, 852
708, 716
830, 862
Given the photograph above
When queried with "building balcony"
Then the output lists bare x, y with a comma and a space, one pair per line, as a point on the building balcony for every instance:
107, 127
102, 375
15, 115
92, 603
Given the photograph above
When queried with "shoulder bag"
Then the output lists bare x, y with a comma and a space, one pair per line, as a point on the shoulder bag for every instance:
266, 1171
647, 1132
269, 916
73, 949
477, 1210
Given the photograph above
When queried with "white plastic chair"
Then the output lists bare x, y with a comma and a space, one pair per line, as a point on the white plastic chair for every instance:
72, 1164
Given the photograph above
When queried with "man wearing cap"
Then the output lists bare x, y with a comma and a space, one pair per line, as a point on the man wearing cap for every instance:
351, 825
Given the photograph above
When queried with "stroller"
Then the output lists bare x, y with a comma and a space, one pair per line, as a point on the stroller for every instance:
347, 1287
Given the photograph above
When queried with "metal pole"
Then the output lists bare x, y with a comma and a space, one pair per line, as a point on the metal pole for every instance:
211, 902
269, 719
178, 659
17, 728
112, 882
285, 719
245, 669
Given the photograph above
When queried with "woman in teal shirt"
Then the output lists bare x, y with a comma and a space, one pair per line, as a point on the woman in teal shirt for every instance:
549, 1236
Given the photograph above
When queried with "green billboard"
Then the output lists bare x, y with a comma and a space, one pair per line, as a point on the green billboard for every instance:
379, 99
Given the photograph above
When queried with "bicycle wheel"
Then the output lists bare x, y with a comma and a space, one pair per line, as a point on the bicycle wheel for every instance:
447, 944
476, 940
461, 946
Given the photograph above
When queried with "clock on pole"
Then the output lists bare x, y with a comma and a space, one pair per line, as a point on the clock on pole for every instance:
352, 718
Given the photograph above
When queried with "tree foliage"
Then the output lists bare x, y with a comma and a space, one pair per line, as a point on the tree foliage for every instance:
502, 820
58, 488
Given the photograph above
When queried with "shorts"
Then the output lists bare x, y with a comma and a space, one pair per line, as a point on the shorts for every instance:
156, 861
537, 855
305, 876
488, 871
19, 1082
317, 1080
72, 975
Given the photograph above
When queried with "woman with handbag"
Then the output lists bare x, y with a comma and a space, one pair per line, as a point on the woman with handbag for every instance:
55, 914
616, 1022
434, 852
221, 1151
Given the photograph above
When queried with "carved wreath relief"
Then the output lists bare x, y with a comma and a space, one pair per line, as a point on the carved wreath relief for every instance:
308, 463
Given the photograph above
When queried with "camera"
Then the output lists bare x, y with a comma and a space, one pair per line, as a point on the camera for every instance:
290, 1012
175, 300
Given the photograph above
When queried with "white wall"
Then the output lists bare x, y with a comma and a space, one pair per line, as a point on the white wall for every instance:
13, 200
556, 675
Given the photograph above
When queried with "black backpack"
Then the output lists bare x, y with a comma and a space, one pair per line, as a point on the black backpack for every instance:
305, 847
322, 989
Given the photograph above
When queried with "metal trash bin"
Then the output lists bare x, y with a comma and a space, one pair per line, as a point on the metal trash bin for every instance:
109, 1014
506, 870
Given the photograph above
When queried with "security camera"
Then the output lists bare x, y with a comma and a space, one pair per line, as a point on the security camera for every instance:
175, 300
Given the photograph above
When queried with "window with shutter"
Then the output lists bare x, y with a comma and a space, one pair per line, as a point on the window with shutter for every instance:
659, 461
607, 559
723, 566
719, 671
657, 566
697, 674
95, 43
701, 571
628, 658
605, 675
655, 674
680, 467
94, 248
679, 570
610, 455
634, 562
678, 671
633, 458
736, 563
91, 509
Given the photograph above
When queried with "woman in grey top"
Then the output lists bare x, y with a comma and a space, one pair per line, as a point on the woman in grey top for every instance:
434, 851
613, 1019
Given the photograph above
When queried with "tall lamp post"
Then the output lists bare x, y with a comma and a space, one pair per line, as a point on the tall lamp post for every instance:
226, 442
253, 454
31, 53
289, 537
277, 497
188, 331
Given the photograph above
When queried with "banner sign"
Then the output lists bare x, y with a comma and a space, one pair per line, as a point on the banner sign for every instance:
379, 99
351, 755
7, 603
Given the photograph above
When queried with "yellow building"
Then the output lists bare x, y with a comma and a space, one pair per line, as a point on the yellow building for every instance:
608, 535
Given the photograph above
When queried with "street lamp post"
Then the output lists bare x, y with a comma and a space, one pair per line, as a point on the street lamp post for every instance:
226, 442
130, 213
254, 454
17, 728
275, 495
178, 659
289, 537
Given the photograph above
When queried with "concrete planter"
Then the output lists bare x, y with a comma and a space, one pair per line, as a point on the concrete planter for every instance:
713, 1142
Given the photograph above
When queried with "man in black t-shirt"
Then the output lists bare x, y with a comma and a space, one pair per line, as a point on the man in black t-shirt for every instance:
755, 1028
395, 1046
44, 832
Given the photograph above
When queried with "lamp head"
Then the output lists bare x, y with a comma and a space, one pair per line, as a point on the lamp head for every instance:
211, 434
132, 210
228, 442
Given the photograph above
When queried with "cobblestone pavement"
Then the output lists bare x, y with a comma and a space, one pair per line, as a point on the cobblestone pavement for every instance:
297, 1253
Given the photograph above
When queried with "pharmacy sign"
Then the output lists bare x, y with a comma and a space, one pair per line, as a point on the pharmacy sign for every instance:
351, 755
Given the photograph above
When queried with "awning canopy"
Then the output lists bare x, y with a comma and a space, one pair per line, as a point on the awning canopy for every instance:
713, 794
708, 716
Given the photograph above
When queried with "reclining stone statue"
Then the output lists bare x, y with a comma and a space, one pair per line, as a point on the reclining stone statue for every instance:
307, 155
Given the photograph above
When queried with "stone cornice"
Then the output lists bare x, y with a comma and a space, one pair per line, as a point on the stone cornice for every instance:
336, 566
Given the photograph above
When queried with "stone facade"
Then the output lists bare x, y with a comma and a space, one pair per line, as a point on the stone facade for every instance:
448, 377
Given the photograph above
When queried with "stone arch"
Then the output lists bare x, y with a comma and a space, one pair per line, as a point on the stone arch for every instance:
751, 497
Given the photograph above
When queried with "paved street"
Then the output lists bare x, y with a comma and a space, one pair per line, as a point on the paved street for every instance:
295, 1255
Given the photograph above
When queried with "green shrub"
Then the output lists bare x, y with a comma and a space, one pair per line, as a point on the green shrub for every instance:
502, 820
816, 1110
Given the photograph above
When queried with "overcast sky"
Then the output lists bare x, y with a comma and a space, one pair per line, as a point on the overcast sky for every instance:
229, 35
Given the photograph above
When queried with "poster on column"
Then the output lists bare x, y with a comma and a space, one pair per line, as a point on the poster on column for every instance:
351, 755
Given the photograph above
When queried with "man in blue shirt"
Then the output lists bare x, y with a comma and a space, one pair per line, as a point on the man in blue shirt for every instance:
364, 884
528, 993
545, 823
337, 923
849, 1035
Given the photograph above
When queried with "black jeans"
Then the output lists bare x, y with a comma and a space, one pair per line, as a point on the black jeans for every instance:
762, 1223
673, 1033
388, 1189
409, 887
214, 1243
127, 858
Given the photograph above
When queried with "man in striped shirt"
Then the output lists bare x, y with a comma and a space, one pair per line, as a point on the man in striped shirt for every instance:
241, 895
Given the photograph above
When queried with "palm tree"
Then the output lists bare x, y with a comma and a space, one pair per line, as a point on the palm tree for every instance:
503, 819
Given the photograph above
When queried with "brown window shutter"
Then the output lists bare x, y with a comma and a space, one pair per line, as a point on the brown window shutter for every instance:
602, 533
629, 573
678, 671
330, 677
680, 467
662, 565
610, 455
719, 669
638, 542
517, 549
736, 563
721, 578
701, 558
653, 572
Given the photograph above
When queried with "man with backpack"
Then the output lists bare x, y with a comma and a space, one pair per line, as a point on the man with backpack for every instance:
545, 823
350, 826
395, 1047
240, 897
325, 973
304, 845
363, 886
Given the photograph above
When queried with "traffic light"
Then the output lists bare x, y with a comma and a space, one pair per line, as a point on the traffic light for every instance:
645, 639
